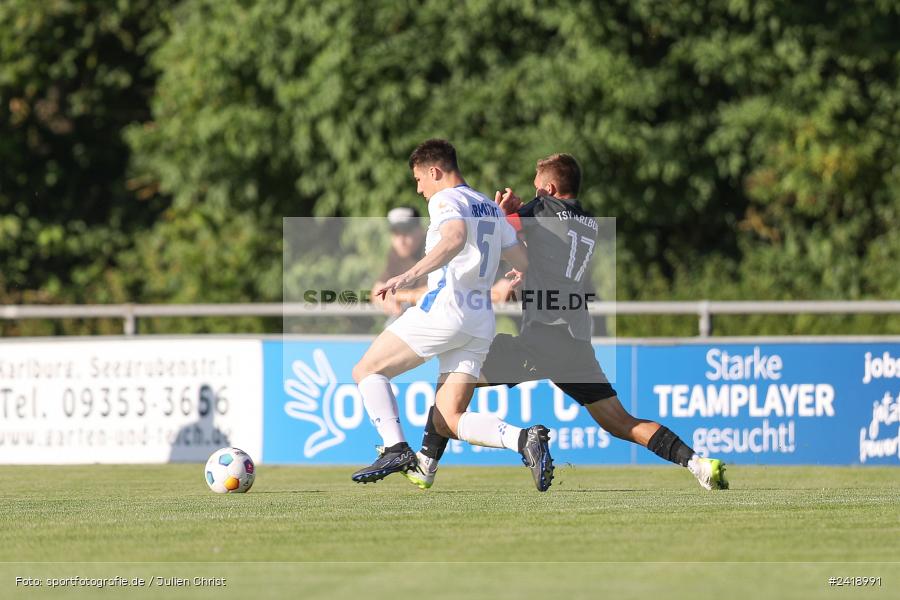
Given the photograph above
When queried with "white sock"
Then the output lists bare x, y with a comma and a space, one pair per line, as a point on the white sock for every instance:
378, 398
487, 430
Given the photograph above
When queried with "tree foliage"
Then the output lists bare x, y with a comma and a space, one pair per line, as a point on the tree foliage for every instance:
73, 75
747, 148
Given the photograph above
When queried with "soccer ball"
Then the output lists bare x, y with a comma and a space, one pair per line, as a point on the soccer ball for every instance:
230, 471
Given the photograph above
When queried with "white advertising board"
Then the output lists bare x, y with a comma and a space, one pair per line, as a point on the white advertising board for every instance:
128, 401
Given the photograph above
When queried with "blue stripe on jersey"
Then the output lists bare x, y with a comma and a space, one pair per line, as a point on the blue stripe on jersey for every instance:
429, 298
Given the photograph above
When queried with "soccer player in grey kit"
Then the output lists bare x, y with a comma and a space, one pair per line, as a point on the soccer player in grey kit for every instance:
555, 340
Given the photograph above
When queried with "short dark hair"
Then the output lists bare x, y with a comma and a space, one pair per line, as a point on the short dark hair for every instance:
563, 169
434, 152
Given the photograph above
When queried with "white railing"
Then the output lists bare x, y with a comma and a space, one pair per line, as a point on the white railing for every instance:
703, 309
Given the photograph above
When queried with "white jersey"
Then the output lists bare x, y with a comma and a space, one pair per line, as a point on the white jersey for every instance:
460, 293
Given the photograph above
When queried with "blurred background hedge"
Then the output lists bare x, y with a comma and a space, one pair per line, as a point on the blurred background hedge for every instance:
150, 148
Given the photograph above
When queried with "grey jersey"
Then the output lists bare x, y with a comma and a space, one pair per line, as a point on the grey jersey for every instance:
561, 239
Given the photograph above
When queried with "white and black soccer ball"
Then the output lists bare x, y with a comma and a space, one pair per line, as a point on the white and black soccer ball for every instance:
230, 471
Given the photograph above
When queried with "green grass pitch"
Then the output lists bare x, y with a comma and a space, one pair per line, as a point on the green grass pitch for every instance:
480, 532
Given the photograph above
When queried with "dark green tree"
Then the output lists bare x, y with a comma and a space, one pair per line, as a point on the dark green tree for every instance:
747, 148
73, 74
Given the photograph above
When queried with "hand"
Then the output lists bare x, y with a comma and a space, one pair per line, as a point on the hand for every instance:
394, 283
390, 305
508, 201
515, 278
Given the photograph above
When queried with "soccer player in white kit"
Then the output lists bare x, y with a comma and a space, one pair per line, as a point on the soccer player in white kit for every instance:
454, 321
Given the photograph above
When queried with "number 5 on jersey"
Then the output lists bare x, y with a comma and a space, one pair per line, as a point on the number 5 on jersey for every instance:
485, 228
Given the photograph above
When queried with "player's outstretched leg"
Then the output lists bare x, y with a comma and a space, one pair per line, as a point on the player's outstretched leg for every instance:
710, 472
386, 357
535, 451
433, 446
450, 419
532, 444
398, 458
424, 473
659, 439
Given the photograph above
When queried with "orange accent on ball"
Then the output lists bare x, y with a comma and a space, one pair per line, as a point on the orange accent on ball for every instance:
232, 484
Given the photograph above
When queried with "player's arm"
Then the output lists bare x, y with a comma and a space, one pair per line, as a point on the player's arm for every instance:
516, 257
376, 299
513, 245
518, 214
507, 200
453, 239
410, 295
389, 306
501, 290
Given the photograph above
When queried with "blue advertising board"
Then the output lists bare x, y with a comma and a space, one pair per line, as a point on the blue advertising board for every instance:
793, 403
783, 403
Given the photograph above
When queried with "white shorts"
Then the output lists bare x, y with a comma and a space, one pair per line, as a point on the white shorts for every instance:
428, 336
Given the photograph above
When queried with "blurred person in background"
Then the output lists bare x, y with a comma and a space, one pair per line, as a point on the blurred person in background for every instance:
407, 248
